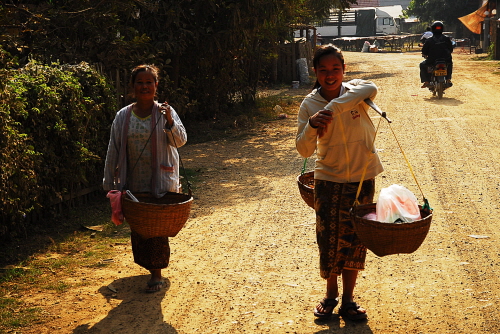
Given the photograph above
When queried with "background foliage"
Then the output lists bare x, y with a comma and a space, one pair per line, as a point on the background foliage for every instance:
447, 11
196, 43
53, 121
55, 110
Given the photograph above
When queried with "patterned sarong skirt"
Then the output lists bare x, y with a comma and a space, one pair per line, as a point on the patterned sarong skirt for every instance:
339, 246
152, 253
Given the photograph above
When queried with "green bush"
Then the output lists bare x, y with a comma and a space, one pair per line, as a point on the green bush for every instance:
54, 129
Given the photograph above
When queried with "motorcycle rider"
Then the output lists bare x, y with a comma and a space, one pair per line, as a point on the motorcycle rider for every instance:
438, 46
425, 36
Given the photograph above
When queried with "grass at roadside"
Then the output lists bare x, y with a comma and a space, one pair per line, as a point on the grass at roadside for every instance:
13, 314
237, 124
487, 59
56, 255
82, 239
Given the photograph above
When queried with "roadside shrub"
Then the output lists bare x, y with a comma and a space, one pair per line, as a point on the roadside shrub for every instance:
491, 51
54, 129
17, 161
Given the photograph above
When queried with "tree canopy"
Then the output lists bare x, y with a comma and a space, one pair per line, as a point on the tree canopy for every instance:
210, 52
447, 11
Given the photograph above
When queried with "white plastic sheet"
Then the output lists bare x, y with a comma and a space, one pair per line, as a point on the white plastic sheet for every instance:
396, 204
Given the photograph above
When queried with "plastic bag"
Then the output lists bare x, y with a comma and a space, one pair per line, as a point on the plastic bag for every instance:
396, 204
115, 199
366, 47
370, 216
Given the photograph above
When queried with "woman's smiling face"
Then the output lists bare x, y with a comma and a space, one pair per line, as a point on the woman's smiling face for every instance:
145, 86
330, 73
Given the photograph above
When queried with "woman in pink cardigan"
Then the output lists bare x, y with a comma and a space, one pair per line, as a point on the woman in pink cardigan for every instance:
142, 157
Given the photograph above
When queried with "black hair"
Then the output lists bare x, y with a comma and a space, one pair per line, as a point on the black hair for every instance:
326, 50
144, 68
152, 69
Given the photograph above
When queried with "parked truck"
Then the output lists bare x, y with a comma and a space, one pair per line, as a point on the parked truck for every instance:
361, 22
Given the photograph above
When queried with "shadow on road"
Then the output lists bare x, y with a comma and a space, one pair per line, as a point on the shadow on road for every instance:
452, 102
334, 326
139, 312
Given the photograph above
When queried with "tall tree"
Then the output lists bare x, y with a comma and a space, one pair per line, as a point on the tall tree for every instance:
211, 52
447, 11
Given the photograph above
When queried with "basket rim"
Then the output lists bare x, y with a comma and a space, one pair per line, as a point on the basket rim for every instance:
429, 213
126, 198
306, 174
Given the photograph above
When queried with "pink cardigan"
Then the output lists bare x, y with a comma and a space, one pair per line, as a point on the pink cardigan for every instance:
164, 146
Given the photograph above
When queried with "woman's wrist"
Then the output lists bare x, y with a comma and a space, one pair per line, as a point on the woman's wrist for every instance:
167, 127
312, 126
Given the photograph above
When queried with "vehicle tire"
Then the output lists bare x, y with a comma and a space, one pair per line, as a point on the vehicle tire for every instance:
440, 89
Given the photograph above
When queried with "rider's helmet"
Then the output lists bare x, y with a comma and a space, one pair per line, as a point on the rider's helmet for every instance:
437, 27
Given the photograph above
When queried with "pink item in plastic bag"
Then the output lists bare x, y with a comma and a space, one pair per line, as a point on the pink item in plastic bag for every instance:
370, 216
115, 198
397, 204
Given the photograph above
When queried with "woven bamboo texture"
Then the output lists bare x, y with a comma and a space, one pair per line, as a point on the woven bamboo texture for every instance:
390, 238
306, 187
157, 217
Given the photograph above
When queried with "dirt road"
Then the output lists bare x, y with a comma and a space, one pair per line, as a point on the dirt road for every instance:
247, 259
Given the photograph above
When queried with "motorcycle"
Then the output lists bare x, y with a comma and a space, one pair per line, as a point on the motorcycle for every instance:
438, 83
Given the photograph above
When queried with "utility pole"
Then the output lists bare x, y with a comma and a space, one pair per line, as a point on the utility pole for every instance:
486, 31
339, 33
495, 37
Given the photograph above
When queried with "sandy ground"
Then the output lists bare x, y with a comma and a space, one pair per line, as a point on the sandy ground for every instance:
247, 259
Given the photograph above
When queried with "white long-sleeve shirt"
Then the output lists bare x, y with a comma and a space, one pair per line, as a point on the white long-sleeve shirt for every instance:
165, 158
347, 146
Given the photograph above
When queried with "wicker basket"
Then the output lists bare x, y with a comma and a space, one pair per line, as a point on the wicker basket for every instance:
306, 187
157, 217
388, 238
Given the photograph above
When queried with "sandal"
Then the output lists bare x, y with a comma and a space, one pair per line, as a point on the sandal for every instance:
326, 302
154, 286
345, 312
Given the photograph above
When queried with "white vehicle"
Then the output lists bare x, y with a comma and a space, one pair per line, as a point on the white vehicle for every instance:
362, 22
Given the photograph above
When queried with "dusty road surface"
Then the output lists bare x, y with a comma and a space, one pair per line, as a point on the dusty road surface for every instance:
247, 259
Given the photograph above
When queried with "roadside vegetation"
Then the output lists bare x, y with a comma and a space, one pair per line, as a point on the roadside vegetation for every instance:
67, 63
85, 237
